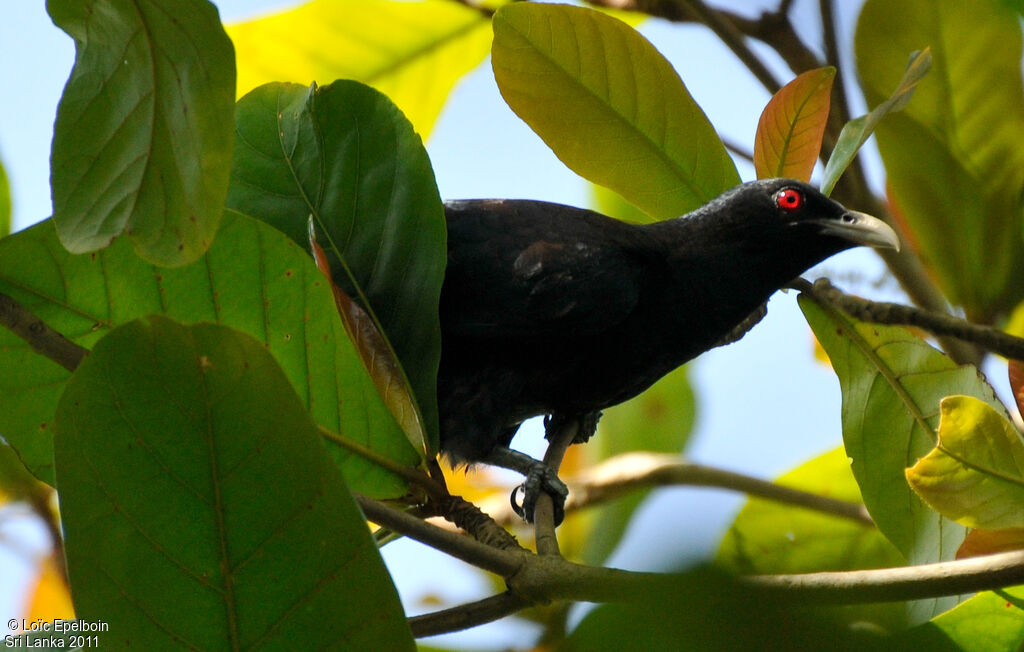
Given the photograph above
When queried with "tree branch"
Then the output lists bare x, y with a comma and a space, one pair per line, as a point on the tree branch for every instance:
498, 561
631, 471
939, 324
897, 584
636, 471
467, 615
560, 437
43, 339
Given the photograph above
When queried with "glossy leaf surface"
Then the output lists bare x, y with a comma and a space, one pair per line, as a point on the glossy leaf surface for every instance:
953, 157
142, 141
792, 126
166, 425
609, 105
892, 383
414, 52
346, 156
975, 473
253, 279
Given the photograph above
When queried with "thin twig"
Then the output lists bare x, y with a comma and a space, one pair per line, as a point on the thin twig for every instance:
467, 615
43, 339
733, 38
500, 562
632, 471
937, 323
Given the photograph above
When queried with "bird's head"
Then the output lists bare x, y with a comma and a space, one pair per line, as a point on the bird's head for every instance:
789, 213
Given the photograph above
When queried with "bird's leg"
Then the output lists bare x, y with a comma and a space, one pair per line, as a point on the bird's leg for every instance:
587, 425
539, 477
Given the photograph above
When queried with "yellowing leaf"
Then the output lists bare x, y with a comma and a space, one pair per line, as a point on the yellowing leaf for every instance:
988, 542
609, 106
50, 600
791, 127
413, 52
375, 354
975, 475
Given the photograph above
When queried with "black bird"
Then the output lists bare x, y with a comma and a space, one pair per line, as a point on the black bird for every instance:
553, 310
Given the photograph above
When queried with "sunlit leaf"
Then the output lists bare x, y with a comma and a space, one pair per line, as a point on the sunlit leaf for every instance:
609, 105
5, 203
346, 156
975, 474
252, 278
375, 354
50, 599
992, 621
413, 52
188, 447
987, 542
952, 156
892, 383
856, 132
791, 127
772, 537
142, 141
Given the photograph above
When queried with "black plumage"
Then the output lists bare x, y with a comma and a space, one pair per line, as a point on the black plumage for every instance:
549, 309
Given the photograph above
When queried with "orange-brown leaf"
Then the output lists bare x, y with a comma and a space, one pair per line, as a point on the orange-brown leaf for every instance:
987, 542
791, 128
377, 357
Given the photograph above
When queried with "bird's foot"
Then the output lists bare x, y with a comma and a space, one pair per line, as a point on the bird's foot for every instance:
586, 430
540, 477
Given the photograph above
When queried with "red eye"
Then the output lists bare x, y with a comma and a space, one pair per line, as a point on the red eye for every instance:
789, 200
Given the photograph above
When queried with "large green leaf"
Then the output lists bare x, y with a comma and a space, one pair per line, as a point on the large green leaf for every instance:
771, 537
413, 52
142, 141
791, 128
253, 279
609, 105
892, 384
200, 507
346, 156
953, 157
992, 621
975, 473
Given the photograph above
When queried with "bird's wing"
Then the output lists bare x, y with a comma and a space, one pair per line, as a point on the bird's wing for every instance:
525, 269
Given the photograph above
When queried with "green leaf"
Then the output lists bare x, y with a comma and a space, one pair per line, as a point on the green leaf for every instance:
186, 461
142, 141
345, 155
609, 105
5, 203
791, 128
252, 278
770, 537
892, 383
856, 132
992, 621
413, 52
953, 157
975, 474
375, 354
706, 611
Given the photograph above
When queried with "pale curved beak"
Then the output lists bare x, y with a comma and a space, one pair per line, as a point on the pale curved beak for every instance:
862, 229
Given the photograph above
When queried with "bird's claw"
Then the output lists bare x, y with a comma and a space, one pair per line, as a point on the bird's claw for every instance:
540, 478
